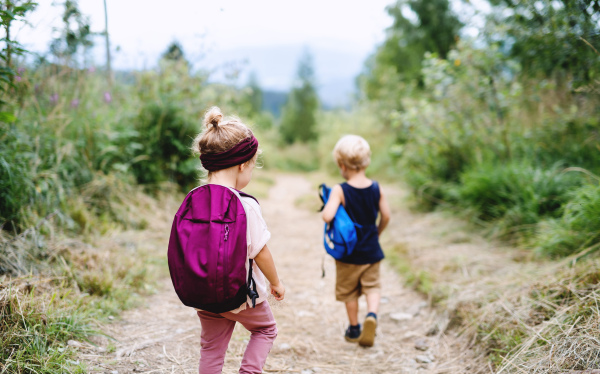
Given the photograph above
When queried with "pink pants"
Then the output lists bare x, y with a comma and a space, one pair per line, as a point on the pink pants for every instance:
217, 330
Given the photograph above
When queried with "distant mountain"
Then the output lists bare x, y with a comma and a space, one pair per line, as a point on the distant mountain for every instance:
273, 101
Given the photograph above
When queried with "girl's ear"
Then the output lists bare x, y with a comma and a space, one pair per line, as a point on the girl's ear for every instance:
242, 167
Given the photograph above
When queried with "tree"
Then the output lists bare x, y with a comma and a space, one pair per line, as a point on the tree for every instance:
549, 37
75, 34
174, 52
299, 113
10, 11
255, 94
434, 29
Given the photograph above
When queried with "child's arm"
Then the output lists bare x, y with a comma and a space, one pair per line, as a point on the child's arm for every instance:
384, 210
265, 263
335, 199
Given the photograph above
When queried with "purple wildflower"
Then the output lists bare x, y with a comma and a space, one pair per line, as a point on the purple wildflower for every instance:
92, 69
74, 103
20, 70
54, 98
18, 78
107, 97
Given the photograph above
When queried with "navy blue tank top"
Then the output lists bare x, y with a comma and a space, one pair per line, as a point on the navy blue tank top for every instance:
362, 205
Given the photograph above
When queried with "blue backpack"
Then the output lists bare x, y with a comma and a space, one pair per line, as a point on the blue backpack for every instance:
340, 234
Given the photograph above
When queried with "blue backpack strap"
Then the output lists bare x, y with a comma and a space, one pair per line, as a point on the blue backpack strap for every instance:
324, 193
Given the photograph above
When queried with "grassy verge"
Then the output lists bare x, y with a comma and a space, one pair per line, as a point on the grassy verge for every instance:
75, 282
523, 314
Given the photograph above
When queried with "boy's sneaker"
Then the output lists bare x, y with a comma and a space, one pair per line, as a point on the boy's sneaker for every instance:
367, 338
352, 333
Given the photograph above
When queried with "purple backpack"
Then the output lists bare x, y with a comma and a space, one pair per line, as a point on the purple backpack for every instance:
208, 250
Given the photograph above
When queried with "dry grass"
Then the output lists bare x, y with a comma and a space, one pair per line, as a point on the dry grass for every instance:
58, 280
525, 315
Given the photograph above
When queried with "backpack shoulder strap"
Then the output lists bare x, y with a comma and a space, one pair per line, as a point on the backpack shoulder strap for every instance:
251, 291
241, 193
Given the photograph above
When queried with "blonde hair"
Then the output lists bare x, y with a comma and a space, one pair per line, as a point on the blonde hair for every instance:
220, 134
352, 151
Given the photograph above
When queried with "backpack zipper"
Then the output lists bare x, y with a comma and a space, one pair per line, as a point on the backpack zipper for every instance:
225, 264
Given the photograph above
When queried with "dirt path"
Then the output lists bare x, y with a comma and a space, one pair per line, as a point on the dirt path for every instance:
164, 336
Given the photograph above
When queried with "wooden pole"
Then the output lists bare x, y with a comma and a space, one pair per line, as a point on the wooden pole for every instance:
108, 68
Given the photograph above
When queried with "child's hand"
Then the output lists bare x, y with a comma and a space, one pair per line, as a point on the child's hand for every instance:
278, 291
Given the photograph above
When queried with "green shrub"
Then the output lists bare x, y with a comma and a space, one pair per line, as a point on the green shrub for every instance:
164, 138
576, 229
517, 193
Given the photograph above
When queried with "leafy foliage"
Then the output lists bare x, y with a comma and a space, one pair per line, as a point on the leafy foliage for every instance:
10, 11
164, 137
552, 37
434, 29
488, 125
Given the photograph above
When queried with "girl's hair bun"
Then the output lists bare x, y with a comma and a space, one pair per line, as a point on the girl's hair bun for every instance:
213, 117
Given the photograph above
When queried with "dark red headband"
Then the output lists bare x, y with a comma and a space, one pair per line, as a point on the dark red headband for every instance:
240, 153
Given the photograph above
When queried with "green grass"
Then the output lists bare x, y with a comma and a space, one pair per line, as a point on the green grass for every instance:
34, 334
576, 229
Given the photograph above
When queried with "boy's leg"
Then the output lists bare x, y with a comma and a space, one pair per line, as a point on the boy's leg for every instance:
261, 324
352, 333
352, 310
373, 299
347, 290
214, 339
347, 287
371, 286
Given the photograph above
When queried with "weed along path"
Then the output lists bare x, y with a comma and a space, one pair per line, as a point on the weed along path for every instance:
163, 336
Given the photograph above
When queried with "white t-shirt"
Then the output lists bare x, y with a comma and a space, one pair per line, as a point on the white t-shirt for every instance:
258, 236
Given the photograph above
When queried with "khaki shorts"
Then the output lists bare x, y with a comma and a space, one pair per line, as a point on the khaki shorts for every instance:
351, 280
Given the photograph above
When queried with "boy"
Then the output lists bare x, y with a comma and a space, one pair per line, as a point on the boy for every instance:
358, 273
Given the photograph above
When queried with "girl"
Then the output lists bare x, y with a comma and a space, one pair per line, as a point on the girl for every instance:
228, 150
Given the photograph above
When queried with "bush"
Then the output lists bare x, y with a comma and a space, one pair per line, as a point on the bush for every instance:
576, 229
516, 193
164, 137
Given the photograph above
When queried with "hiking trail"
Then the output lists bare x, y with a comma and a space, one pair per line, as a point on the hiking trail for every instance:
163, 336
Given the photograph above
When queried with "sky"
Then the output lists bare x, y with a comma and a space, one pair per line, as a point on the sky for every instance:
266, 37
